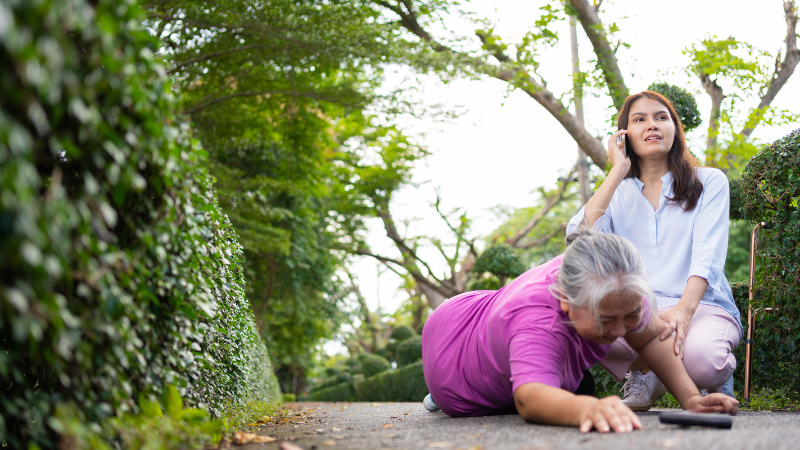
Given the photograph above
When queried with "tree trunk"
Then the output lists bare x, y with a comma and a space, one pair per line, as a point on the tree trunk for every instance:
583, 165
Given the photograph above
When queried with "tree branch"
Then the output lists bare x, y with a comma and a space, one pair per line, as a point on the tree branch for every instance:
253, 94
606, 56
177, 67
536, 90
715, 91
785, 69
552, 201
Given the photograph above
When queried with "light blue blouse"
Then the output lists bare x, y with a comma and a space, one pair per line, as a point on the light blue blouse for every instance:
674, 244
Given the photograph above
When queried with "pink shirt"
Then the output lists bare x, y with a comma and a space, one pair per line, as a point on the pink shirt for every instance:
479, 347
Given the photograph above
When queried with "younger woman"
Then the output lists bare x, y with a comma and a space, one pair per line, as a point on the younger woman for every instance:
676, 214
525, 347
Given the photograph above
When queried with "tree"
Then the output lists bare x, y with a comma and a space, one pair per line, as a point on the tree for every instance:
273, 88
518, 66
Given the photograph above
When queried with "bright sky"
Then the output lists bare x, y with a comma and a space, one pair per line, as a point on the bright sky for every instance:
505, 146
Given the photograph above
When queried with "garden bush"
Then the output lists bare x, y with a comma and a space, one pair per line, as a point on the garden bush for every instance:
403, 332
119, 273
683, 101
770, 193
402, 385
409, 351
342, 392
374, 364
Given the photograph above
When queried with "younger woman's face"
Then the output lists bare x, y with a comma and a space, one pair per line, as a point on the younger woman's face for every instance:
651, 130
616, 315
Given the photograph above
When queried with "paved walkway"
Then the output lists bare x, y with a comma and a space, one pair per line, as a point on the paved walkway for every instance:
323, 426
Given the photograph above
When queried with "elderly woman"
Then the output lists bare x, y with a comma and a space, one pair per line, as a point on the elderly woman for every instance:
527, 346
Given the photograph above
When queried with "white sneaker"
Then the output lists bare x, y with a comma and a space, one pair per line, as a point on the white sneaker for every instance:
429, 404
641, 390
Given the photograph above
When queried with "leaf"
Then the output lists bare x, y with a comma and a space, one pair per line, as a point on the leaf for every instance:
173, 404
149, 408
240, 438
193, 415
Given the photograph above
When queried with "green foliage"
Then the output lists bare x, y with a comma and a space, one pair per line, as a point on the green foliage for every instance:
499, 260
667, 401
683, 102
409, 351
771, 188
374, 364
342, 392
489, 283
737, 264
275, 91
120, 274
402, 332
604, 384
402, 385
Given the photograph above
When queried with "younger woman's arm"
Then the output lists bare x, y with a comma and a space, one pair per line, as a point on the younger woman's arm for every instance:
597, 205
661, 358
540, 403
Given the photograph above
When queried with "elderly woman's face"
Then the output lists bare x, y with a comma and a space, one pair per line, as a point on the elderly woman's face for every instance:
617, 316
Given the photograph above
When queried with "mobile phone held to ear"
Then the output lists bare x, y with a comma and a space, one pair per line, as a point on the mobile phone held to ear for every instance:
621, 143
688, 419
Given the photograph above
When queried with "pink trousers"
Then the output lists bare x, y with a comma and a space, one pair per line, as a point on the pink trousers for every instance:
707, 351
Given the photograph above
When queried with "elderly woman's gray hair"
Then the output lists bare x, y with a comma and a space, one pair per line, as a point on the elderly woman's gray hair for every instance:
596, 265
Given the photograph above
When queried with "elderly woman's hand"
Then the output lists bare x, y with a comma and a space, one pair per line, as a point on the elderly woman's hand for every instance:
677, 320
609, 414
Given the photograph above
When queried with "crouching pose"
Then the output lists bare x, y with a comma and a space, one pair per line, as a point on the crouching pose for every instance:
527, 346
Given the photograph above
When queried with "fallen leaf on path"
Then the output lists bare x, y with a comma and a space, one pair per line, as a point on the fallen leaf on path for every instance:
337, 436
321, 430
289, 446
387, 425
240, 438
439, 444
671, 443
329, 442
335, 429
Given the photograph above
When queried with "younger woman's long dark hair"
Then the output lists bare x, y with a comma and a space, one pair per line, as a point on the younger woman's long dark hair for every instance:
686, 186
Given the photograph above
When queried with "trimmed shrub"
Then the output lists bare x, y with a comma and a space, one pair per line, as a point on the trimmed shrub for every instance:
500, 260
403, 332
374, 364
409, 351
771, 192
683, 101
382, 352
402, 385
342, 392
490, 283
119, 273
420, 328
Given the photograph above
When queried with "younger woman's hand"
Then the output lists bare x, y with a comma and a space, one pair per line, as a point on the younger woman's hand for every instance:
677, 320
617, 154
609, 414
712, 403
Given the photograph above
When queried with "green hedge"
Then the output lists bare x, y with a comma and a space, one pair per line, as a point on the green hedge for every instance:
374, 364
401, 385
119, 273
342, 392
409, 351
770, 193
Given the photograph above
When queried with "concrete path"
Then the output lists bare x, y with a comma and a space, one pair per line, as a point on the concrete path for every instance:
322, 426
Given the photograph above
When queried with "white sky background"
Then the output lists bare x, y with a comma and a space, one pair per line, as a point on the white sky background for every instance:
505, 146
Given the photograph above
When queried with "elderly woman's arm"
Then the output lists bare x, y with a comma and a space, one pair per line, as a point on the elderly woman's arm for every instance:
660, 356
540, 403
